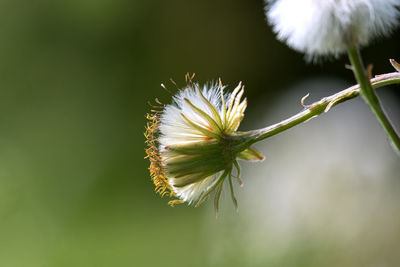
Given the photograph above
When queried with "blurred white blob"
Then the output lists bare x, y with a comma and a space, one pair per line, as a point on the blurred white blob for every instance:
327, 194
326, 27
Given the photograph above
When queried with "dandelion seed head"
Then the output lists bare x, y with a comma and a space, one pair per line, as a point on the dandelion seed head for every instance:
326, 27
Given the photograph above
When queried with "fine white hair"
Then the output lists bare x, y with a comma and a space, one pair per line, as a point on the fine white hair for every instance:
327, 27
180, 125
176, 131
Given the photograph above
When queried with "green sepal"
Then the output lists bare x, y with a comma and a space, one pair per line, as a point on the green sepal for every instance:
212, 108
190, 179
251, 154
213, 124
210, 146
216, 198
211, 189
200, 128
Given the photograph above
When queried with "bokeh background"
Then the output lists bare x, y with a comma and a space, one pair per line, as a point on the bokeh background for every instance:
75, 79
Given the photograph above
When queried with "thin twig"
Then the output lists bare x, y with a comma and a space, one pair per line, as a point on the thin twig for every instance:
314, 110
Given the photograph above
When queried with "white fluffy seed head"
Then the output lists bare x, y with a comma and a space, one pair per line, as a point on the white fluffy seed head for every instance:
326, 27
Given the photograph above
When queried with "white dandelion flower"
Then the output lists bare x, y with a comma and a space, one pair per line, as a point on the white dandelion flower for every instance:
196, 146
328, 27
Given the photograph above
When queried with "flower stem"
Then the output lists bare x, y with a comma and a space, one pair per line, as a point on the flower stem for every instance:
369, 96
313, 110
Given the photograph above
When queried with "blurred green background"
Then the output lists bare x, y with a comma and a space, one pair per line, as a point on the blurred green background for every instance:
75, 79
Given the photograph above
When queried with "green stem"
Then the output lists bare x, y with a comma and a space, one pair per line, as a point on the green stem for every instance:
311, 111
368, 94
